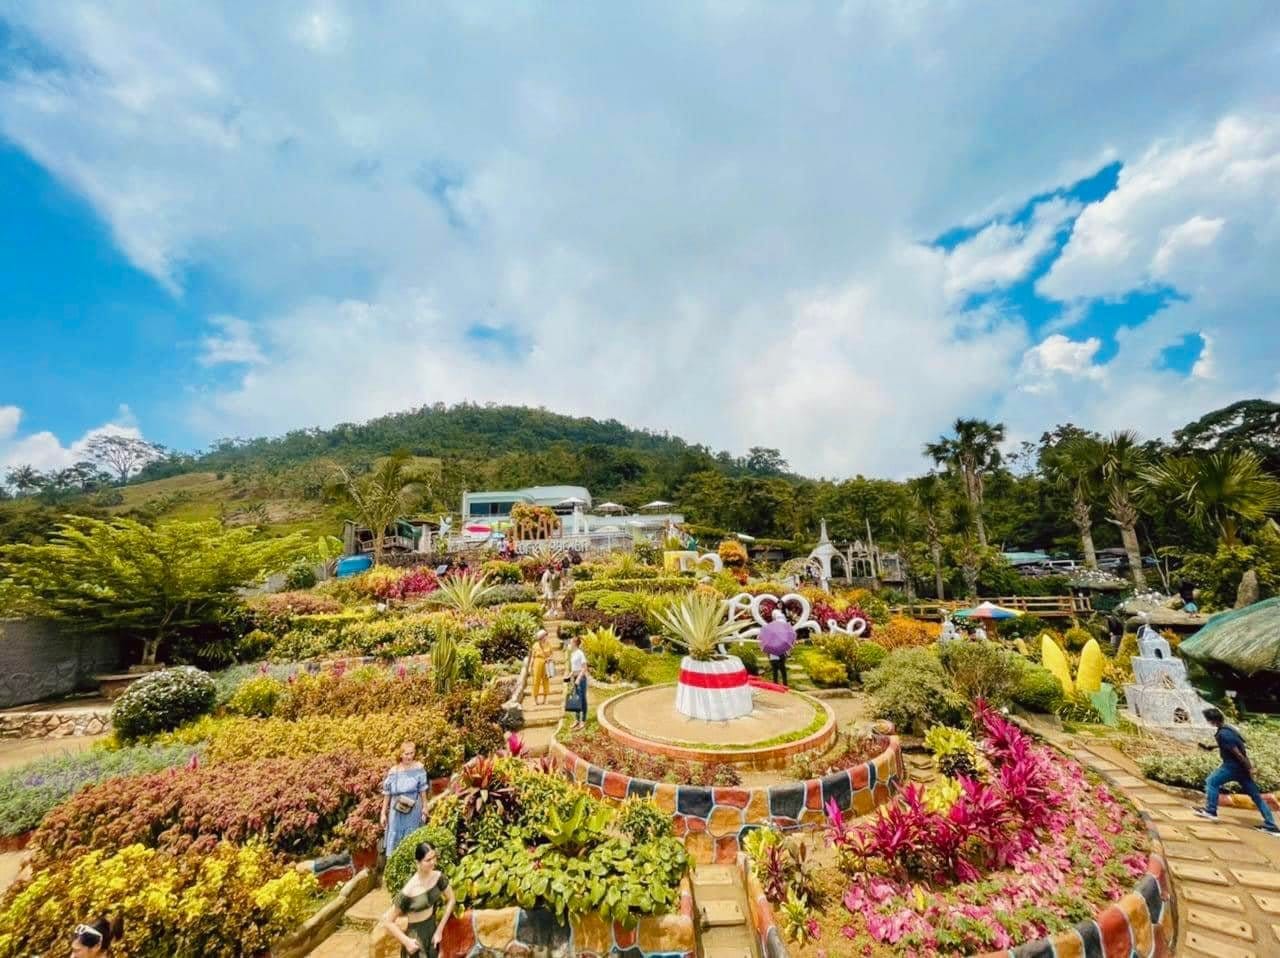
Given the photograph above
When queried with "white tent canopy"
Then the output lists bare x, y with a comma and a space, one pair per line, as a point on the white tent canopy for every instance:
610, 507
657, 504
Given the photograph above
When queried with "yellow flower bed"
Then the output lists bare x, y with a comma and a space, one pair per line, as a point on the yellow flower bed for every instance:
237, 900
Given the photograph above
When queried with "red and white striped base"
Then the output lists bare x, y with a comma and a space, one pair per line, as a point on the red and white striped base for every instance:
713, 691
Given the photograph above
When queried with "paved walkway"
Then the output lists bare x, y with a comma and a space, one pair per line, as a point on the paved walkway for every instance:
1226, 873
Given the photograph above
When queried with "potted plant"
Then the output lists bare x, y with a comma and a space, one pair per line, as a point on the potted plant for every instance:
712, 686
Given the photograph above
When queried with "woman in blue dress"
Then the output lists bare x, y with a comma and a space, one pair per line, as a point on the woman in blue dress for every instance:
404, 797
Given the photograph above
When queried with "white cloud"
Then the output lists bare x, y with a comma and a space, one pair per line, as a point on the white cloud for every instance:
1003, 253
43, 450
1058, 357
698, 218
10, 416
235, 343
1184, 239
1204, 367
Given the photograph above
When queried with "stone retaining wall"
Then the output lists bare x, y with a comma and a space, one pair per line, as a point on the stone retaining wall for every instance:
515, 931
712, 820
61, 724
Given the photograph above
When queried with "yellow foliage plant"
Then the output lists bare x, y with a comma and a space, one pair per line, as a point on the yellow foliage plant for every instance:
235, 900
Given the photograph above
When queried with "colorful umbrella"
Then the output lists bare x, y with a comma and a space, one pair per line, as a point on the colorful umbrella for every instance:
987, 610
777, 637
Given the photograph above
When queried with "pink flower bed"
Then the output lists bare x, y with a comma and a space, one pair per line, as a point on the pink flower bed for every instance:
1030, 850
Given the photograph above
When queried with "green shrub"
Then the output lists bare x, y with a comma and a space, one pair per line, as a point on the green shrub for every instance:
508, 637
1076, 637
1077, 707
603, 649
823, 670
509, 593
470, 663
632, 663
300, 575
502, 573
911, 689
257, 697
749, 653
982, 670
1038, 690
163, 700
254, 645
641, 820
866, 656
1025, 627
534, 609
401, 864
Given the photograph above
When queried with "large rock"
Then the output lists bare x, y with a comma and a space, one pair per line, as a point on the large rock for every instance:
1247, 592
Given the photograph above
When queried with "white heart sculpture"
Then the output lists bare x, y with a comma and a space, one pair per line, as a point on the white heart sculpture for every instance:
854, 627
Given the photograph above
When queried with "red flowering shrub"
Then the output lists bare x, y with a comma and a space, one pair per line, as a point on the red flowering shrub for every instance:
298, 806
1027, 853
270, 611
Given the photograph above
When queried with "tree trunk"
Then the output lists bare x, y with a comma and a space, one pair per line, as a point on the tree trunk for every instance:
1129, 536
150, 647
936, 548
1084, 523
970, 570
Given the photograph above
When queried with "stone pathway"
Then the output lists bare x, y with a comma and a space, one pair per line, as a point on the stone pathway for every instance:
540, 721
720, 902
1226, 873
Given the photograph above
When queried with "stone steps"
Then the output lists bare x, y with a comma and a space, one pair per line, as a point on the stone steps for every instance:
720, 901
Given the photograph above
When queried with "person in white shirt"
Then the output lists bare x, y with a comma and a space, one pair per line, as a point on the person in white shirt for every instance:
578, 682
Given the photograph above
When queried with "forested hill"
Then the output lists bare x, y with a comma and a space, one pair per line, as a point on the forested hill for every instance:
464, 430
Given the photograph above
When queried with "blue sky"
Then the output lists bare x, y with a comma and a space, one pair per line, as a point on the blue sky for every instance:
830, 228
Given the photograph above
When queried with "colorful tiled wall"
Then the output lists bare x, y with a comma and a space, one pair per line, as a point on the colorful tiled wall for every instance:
713, 820
507, 931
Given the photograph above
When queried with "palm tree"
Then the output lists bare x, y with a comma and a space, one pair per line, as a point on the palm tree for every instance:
971, 453
1219, 489
930, 500
24, 479
1123, 460
1076, 464
379, 497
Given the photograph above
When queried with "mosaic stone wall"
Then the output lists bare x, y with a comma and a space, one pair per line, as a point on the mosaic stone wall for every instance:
514, 931
712, 821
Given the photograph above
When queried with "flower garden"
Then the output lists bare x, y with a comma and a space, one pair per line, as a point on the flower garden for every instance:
213, 818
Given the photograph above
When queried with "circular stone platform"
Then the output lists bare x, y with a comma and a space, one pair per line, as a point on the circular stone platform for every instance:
791, 724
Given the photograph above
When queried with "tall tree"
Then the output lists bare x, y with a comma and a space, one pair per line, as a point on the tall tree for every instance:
972, 453
1123, 461
929, 494
765, 462
26, 479
1076, 464
148, 583
1252, 424
1220, 490
123, 455
381, 496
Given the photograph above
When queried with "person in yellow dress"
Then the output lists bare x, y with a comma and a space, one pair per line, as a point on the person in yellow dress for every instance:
541, 667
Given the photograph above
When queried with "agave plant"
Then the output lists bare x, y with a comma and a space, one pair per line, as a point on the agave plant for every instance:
700, 623
463, 591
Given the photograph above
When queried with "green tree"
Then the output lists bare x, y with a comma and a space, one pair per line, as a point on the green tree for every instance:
972, 453
1220, 490
123, 577
1076, 464
1252, 424
930, 495
381, 496
1123, 460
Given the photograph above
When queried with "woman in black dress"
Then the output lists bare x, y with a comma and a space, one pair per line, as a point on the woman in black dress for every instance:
419, 900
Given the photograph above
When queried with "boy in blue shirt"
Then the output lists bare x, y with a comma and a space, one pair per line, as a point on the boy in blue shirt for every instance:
1235, 768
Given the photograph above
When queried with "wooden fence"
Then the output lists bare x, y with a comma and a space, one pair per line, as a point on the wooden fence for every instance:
1044, 606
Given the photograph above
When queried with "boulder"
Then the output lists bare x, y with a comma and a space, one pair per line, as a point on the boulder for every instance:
1247, 592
